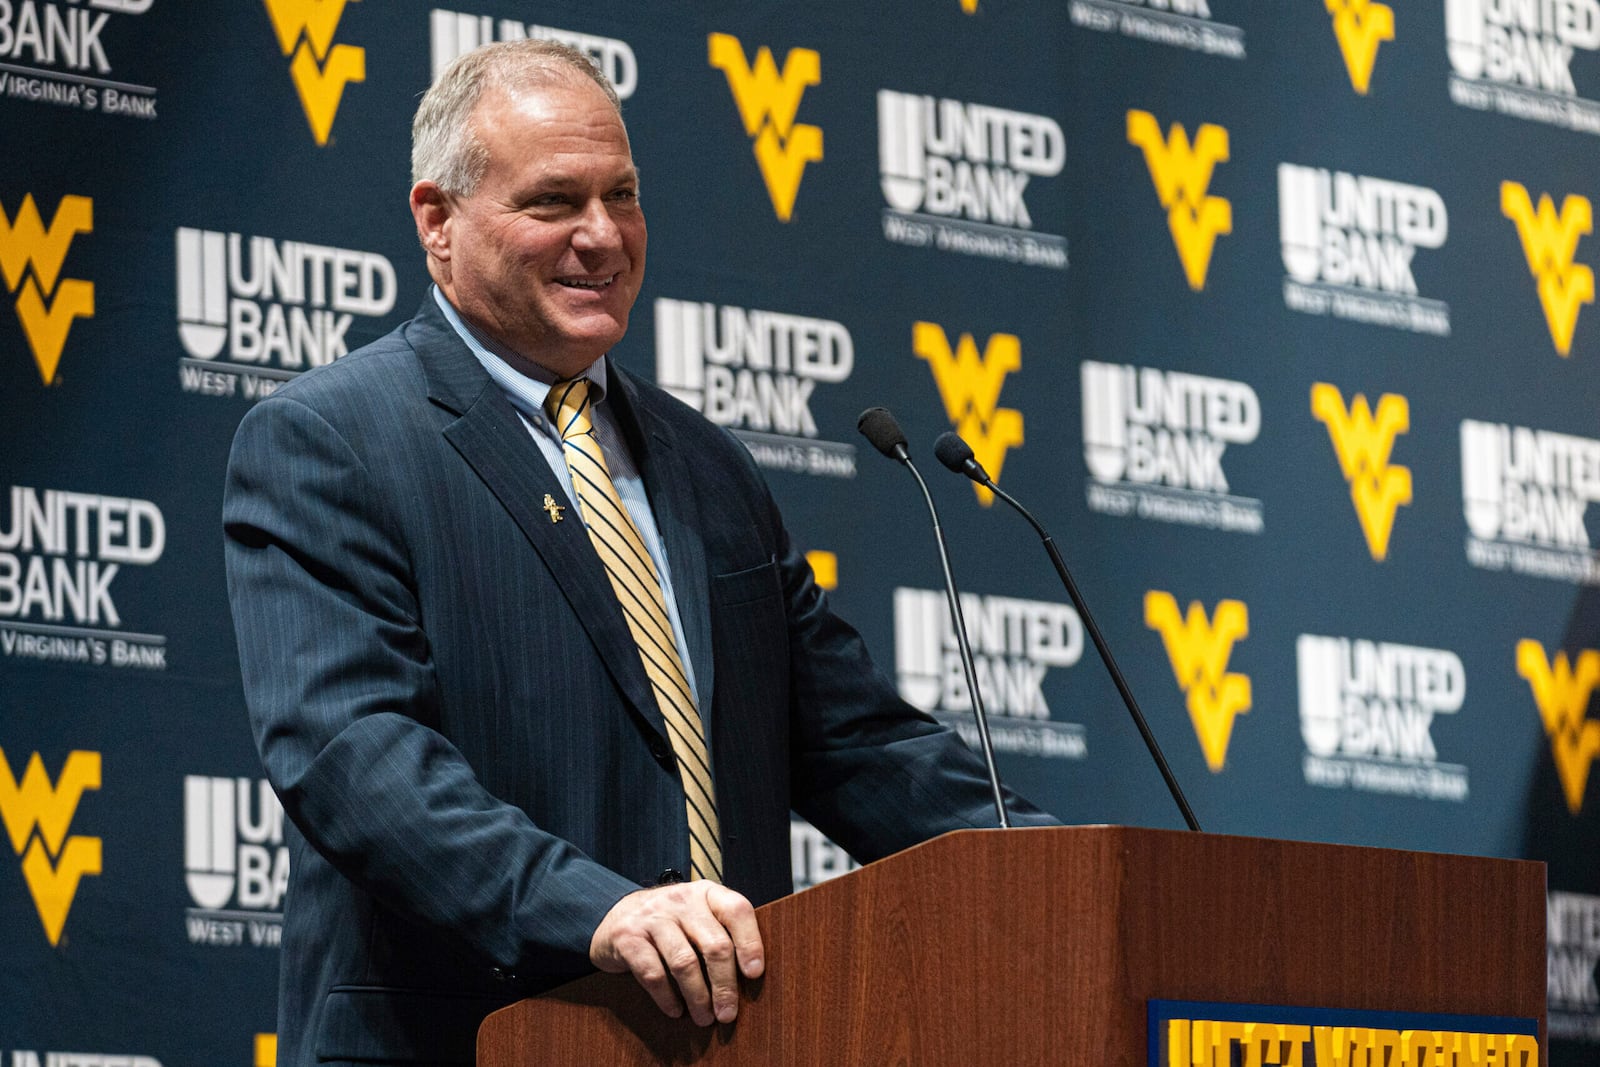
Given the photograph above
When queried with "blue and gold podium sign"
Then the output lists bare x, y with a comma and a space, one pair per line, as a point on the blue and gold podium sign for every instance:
1186, 1033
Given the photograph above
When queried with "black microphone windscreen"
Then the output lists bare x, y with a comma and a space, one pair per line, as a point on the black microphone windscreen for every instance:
952, 451
878, 426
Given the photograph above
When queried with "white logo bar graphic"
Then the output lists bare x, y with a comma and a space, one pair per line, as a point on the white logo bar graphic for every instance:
918, 645
1105, 420
1320, 665
679, 368
202, 292
1298, 225
1482, 480
210, 844
900, 149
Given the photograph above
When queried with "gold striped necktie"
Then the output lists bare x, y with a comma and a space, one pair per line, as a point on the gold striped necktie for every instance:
638, 588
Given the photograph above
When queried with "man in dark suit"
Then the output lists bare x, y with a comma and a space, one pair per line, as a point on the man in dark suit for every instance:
530, 659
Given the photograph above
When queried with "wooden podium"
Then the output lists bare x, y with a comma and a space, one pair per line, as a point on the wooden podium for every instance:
1043, 946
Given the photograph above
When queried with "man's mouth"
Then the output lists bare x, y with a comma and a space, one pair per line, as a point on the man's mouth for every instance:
588, 283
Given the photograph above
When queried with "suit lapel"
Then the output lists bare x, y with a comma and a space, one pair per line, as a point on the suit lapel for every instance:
490, 436
670, 484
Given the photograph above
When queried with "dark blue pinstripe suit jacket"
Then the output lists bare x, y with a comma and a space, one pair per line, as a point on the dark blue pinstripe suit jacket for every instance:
447, 699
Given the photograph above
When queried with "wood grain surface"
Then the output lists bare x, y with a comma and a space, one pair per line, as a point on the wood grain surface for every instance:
1042, 946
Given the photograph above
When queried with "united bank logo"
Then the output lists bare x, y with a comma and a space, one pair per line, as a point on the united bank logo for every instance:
954, 175
1361, 26
1562, 690
768, 103
1199, 649
453, 34
319, 67
37, 814
1349, 241
755, 372
1367, 711
1182, 173
1153, 441
970, 384
31, 260
1549, 242
1516, 58
1363, 441
1572, 954
254, 312
30, 1058
1525, 494
52, 54
1185, 24
60, 552
236, 866
1015, 644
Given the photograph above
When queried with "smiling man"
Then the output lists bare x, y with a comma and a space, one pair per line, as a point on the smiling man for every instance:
540, 245
529, 656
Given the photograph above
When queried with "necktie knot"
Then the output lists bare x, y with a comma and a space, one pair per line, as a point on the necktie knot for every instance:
567, 404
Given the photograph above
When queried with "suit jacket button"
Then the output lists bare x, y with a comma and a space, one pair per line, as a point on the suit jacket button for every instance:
670, 876
659, 750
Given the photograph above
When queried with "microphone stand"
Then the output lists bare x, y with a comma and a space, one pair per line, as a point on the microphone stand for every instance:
967, 666
957, 455
879, 427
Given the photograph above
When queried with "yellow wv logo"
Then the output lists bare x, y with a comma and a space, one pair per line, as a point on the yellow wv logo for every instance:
970, 385
1360, 26
1549, 241
36, 816
1199, 652
824, 568
1563, 698
1363, 442
46, 310
767, 104
1182, 174
320, 68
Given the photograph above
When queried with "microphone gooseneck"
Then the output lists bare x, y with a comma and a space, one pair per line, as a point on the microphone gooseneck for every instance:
879, 427
957, 455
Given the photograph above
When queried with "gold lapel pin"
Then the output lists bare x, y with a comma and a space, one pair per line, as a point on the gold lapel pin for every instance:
554, 509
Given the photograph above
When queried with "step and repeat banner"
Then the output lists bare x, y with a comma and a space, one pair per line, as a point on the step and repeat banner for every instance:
1279, 314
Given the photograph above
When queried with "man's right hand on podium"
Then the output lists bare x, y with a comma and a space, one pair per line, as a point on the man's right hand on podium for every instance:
663, 935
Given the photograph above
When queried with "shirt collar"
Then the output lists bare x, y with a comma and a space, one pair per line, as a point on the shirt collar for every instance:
526, 390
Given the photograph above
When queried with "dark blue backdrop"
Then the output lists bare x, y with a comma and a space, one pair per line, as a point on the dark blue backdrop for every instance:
1278, 314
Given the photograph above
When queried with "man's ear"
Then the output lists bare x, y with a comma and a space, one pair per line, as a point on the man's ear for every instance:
432, 208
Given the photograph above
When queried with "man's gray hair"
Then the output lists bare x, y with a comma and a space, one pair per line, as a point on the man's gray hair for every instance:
445, 148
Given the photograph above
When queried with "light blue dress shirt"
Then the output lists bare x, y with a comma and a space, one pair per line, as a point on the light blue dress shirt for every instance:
527, 395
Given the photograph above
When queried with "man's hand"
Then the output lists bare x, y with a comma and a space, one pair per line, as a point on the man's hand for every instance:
663, 935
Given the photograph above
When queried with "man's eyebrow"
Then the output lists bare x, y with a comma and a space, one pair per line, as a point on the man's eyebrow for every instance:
558, 180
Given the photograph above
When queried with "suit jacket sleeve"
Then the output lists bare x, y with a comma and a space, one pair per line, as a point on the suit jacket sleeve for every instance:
344, 702
872, 772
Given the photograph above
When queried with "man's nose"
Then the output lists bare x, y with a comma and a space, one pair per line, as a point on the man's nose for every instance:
596, 227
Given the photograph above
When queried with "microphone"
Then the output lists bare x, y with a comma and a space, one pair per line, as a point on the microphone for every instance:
879, 427
957, 455
954, 452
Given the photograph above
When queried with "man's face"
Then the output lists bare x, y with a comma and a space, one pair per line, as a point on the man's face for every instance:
547, 254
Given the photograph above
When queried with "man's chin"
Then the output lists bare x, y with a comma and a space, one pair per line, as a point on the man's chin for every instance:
600, 333
569, 352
